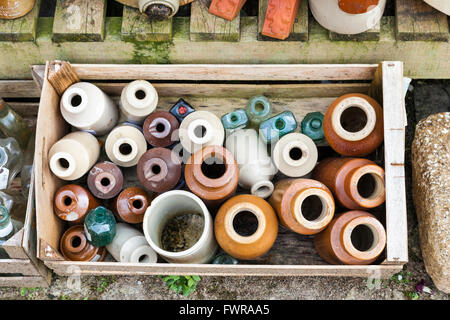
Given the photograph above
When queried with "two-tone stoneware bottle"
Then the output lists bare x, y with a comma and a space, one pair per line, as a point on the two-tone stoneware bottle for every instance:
105, 180
74, 246
161, 129
131, 204
73, 202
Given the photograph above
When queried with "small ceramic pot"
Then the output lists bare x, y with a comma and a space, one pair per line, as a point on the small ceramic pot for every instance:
357, 184
169, 205
272, 129
138, 99
354, 237
295, 155
200, 129
441, 5
226, 9
253, 243
130, 246
125, 145
105, 180
131, 204
75, 247
13, 9
280, 18
304, 206
256, 169
353, 125
347, 16
161, 129
73, 202
86, 107
73, 155
181, 110
212, 174
100, 226
159, 170
259, 108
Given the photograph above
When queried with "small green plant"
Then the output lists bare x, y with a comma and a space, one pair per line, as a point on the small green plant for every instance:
182, 284
402, 277
104, 283
411, 295
29, 293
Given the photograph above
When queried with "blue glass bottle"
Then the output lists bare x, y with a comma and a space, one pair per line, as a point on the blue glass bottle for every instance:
181, 109
279, 125
236, 119
312, 126
259, 108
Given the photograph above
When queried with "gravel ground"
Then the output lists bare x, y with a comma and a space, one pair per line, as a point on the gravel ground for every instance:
426, 97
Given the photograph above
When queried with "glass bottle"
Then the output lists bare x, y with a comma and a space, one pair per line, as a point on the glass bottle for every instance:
236, 119
7, 230
259, 108
13, 125
312, 126
10, 161
15, 203
276, 127
27, 167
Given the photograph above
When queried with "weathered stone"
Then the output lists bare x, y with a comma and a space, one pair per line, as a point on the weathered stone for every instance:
431, 192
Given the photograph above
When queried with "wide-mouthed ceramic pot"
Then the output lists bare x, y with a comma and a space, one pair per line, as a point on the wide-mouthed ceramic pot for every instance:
441, 5
156, 9
12, 9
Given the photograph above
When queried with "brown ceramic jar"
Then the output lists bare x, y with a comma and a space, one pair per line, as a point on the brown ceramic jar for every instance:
131, 204
354, 237
235, 232
75, 247
353, 125
105, 180
305, 206
212, 174
13, 9
356, 183
160, 129
159, 170
73, 202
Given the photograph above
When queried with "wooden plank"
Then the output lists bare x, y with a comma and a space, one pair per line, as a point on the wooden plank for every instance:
137, 27
21, 29
370, 35
79, 20
19, 89
24, 267
300, 30
24, 282
13, 247
205, 26
417, 20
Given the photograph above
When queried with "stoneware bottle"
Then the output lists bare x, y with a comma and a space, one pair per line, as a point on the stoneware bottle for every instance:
159, 170
280, 18
259, 108
295, 155
12, 9
75, 247
312, 126
100, 226
250, 243
130, 246
131, 204
125, 145
353, 237
138, 99
86, 107
441, 5
181, 109
347, 16
353, 125
161, 129
233, 120
256, 169
226, 9
212, 173
356, 183
305, 206
159, 9
169, 205
73, 155
105, 180
200, 129
272, 129
73, 202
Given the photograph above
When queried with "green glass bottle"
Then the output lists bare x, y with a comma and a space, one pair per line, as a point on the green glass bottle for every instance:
259, 108
236, 119
223, 258
13, 125
7, 230
312, 126
100, 226
279, 125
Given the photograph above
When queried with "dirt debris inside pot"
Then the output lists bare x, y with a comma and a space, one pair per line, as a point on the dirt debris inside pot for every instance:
182, 232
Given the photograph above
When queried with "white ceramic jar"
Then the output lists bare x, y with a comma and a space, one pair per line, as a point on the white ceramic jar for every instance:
441, 5
347, 16
125, 145
138, 99
86, 107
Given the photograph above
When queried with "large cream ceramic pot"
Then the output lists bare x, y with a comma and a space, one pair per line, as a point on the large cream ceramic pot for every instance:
347, 16
12, 9
441, 5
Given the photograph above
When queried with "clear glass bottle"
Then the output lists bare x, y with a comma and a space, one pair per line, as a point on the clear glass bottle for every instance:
10, 161
13, 125
15, 203
7, 230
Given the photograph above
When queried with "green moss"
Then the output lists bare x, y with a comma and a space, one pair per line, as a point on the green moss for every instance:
149, 52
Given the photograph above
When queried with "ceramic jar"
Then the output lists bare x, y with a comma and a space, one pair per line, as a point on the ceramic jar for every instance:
212, 174
354, 238
226, 9
171, 204
125, 145
347, 16
280, 18
100, 226
295, 155
259, 108
441, 5
356, 183
73, 155
159, 9
105, 180
312, 126
241, 239
181, 110
305, 206
72, 203
131, 204
161, 129
86, 107
256, 169
200, 129
138, 99
272, 129
159, 170
130, 246
12, 9
75, 247
353, 125
236, 119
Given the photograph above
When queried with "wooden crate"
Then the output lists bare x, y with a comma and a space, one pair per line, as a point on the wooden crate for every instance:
80, 32
208, 87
